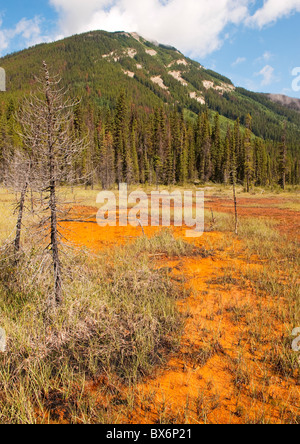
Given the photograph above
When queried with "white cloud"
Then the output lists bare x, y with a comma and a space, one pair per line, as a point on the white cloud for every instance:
196, 27
267, 55
268, 75
28, 30
3, 42
239, 61
273, 10
193, 26
3, 38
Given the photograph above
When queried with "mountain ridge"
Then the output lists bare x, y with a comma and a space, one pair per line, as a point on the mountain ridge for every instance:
287, 101
173, 107
151, 73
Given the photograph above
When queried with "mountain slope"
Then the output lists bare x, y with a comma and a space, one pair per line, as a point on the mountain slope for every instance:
289, 102
97, 65
150, 73
152, 115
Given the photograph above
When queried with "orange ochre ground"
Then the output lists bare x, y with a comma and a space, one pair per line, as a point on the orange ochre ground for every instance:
221, 374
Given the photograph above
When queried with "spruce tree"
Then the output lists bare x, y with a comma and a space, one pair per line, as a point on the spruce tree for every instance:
283, 159
120, 137
217, 151
249, 168
107, 160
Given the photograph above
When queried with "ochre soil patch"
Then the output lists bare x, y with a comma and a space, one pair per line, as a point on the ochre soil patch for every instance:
219, 375
288, 220
222, 373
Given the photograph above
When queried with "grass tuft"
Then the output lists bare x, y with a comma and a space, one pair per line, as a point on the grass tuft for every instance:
118, 318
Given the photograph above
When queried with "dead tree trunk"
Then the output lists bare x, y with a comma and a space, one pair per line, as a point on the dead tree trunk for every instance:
54, 245
48, 136
235, 207
52, 194
17, 241
17, 177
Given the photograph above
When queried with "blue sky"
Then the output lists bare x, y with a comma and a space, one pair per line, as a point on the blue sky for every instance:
253, 42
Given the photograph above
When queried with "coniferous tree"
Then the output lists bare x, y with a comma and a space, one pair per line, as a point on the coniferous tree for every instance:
226, 158
134, 155
107, 160
184, 158
120, 138
192, 173
169, 173
217, 152
249, 169
283, 159
239, 151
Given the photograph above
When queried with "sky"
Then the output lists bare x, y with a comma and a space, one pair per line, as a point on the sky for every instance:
253, 42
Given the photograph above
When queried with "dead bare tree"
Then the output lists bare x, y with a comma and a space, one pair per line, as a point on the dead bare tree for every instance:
20, 207
46, 120
17, 178
235, 206
234, 182
213, 220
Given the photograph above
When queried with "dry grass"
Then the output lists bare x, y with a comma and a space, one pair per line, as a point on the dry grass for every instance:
120, 321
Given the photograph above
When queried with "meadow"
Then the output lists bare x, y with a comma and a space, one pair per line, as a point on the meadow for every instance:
155, 328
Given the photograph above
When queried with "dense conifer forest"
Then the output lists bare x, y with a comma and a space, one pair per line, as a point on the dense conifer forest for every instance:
152, 116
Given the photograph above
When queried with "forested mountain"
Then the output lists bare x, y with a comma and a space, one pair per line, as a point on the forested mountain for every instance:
289, 102
153, 115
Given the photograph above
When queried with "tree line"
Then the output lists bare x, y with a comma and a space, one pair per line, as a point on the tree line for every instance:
50, 140
140, 145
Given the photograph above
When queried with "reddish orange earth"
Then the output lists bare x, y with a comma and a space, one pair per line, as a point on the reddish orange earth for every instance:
222, 372
272, 208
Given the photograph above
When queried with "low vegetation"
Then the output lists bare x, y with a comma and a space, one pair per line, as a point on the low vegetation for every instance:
143, 325
118, 318
132, 313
